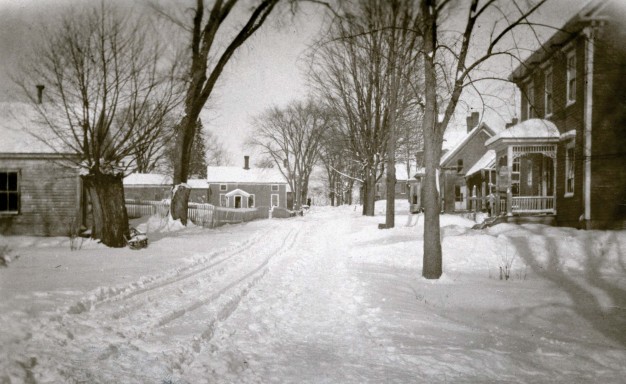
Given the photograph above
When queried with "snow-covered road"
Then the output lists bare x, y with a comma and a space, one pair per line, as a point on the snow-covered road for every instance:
325, 298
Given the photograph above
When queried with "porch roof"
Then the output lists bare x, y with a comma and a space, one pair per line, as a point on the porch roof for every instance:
528, 130
238, 192
486, 162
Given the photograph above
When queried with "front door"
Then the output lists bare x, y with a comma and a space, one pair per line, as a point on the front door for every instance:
237, 201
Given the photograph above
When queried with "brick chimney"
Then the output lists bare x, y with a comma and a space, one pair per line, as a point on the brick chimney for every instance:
472, 121
512, 123
40, 88
246, 162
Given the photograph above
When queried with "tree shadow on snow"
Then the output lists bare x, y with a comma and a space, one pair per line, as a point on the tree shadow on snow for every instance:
586, 291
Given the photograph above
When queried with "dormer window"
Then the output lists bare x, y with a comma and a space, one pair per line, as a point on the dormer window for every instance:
548, 92
571, 77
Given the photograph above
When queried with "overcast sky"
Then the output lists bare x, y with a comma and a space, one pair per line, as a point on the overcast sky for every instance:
267, 71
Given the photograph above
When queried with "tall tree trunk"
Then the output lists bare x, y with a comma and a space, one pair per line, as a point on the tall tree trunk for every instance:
184, 143
110, 220
370, 193
433, 139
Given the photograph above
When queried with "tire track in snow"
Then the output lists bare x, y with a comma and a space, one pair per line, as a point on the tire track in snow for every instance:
204, 294
149, 284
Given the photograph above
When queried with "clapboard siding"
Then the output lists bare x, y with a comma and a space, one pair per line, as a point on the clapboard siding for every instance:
49, 197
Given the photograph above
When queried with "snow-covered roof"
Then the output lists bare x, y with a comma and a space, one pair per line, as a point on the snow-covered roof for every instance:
486, 162
539, 129
421, 171
23, 131
198, 183
480, 127
240, 175
147, 179
239, 192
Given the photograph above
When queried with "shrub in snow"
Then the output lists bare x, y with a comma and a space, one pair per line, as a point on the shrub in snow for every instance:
5, 257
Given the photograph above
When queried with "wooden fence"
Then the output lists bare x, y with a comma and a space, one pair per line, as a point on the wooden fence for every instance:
206, 215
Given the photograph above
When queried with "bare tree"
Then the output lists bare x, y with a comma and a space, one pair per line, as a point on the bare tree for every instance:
340, 167
105, 93
205, 65
453, 62
361, 70
216, 153
291, 137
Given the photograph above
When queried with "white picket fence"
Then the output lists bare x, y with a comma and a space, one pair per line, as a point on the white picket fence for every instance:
199, 214
206, 215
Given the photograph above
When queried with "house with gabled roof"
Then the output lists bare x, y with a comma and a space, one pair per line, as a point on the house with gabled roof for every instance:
455, 163
245, 187
404, 180
157, 187
41, 190
566, 157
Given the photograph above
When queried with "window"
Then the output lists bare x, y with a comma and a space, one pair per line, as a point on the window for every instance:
515, 177
251, 201
223, 200
571, 77
274, 200
274, 187
458, 194
569, 169
223, 187
9, 192
530, 101
548, 92
459, 165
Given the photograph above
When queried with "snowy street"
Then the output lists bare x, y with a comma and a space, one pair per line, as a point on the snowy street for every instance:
324, 298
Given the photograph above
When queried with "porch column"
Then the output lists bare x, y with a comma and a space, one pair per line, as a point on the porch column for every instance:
509, 192
554, 180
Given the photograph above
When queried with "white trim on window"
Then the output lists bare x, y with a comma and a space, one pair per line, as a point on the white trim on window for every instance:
570, 70
275, 188
223, 187
10, 192
548, 100
223, 203
277, 200
253, 200
570, 169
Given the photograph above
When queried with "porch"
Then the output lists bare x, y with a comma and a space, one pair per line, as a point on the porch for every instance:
525, 169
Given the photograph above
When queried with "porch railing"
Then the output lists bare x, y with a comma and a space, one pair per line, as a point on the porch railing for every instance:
532, 204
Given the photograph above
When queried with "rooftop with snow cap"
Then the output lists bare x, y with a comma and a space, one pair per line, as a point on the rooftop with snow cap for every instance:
228, 174
147, 179
486, 162
528, 130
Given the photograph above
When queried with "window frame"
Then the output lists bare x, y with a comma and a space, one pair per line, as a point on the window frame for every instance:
548, 92
223, 187
222, 196
17, 191
275, 188
277, 200
253, 196
570, 169
571, 75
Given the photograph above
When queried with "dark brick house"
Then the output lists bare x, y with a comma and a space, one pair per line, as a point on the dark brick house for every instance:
567, 156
